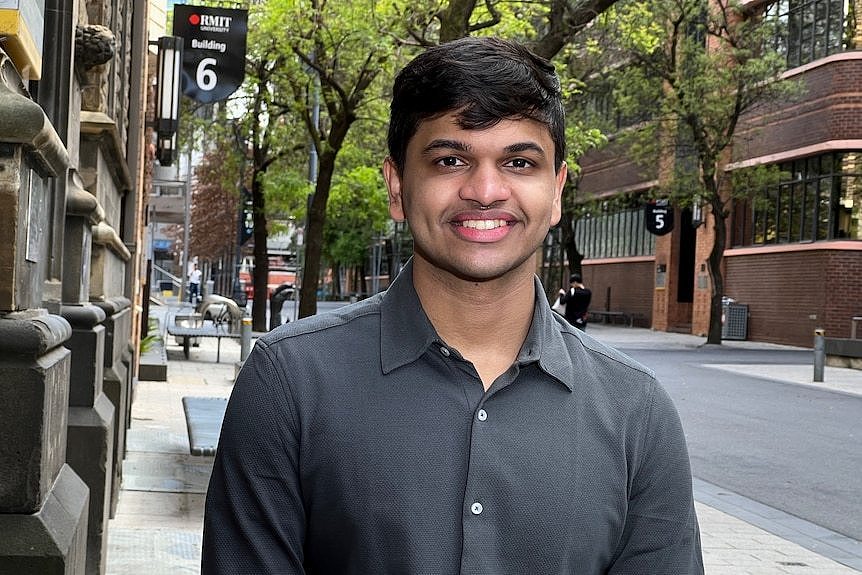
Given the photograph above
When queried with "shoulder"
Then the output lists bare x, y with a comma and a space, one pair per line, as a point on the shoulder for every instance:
604, 372
338, 324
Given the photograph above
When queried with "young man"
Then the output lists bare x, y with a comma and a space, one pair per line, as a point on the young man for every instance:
577, 301
453, 424
194, 284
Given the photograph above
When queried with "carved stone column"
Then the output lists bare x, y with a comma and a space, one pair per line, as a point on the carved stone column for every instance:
117, 381
90, 444
92, 415
43, 502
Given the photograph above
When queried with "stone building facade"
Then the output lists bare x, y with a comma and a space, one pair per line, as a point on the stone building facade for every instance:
72, 165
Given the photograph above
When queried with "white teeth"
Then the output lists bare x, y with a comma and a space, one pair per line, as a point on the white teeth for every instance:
483, 224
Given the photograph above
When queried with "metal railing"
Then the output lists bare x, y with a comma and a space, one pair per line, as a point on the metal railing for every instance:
159, 273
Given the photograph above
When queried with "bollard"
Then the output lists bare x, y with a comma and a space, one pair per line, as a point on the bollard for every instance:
245, 339
819, 353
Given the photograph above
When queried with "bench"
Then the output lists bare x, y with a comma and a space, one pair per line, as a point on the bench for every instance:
204, 416
612, 316
187, 333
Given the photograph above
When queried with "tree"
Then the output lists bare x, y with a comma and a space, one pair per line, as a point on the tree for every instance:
548, 27
705, 67
215, 204
336, 52
265, 133
360, 212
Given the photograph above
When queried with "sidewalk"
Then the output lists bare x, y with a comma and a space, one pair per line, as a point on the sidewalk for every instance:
157, 527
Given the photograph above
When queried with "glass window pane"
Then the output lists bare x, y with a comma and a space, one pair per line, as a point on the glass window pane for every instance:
823, 210
850, 209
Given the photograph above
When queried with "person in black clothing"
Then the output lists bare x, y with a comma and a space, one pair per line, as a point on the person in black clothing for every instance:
577, 302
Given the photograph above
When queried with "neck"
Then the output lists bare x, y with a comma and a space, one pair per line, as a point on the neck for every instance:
486, 321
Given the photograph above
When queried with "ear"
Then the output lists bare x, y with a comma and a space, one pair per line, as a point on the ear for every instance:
393, 185
559, 184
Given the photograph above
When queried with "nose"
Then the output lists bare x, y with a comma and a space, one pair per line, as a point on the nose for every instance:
485, 185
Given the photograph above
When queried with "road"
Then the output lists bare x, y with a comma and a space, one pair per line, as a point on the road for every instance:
788, 446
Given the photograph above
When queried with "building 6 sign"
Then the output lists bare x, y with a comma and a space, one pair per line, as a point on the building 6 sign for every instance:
659, 217
213, 50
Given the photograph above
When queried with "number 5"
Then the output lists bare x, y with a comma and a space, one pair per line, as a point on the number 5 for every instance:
206, 78
659, 221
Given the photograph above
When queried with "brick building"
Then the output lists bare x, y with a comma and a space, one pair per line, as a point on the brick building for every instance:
794, 255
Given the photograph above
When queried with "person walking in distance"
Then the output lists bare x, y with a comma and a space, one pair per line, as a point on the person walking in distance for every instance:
194, 284
577, 301
454, 424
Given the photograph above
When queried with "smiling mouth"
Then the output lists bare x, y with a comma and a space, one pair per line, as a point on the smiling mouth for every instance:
483, 224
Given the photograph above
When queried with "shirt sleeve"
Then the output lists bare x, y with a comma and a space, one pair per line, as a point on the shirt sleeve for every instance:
254, 520
661, 533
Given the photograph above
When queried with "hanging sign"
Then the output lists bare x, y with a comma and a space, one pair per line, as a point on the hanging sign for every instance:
659, 217
214, 41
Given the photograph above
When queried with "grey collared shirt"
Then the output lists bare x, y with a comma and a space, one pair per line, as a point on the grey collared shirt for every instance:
358, 442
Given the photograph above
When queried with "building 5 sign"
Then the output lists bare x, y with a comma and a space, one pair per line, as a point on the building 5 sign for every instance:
659, 217
213, 50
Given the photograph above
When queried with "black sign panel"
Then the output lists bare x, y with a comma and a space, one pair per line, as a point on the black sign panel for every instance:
214, 42
659, 217
246, 216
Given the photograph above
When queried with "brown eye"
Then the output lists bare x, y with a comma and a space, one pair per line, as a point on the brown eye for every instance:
450, 161
519, 163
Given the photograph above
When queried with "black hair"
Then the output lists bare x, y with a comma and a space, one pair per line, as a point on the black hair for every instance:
485, 80
575, 278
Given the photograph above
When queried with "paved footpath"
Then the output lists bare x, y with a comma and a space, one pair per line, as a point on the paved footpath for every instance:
158, 524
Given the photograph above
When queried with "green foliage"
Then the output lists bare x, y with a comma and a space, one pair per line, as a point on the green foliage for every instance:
153, 336
359, 211
706, 67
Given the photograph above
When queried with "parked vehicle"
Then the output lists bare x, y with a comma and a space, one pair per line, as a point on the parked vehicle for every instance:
277, 277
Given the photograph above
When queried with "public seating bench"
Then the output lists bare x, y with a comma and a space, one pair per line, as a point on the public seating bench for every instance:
613, 316
187, 333
204, 416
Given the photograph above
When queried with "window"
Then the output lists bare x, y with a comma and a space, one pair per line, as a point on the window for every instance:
820, 200
614, 229
808, 30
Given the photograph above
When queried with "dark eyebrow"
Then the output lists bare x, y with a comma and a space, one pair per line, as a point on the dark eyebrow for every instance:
525, 147
446, 144
462, 147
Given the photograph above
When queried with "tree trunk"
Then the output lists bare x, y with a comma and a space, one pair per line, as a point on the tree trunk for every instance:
455, 19
314, 236
716, 255
261, 258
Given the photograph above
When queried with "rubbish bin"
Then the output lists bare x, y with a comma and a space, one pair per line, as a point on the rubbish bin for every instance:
734, 320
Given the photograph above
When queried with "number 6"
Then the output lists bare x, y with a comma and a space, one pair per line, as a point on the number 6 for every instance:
206, 78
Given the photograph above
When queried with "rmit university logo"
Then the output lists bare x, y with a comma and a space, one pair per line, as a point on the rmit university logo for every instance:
210, 22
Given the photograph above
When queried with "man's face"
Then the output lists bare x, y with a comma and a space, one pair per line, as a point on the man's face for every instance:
479, 202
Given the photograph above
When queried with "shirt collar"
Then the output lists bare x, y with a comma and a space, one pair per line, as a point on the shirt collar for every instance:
544, 342
406, 332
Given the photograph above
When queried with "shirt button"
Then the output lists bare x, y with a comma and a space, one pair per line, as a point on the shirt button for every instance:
476, 508
444, 351
482, 415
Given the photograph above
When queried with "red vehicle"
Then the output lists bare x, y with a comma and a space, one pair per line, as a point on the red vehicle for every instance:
277, 277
